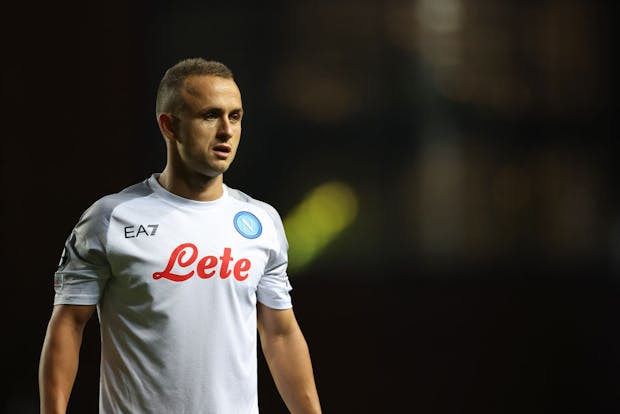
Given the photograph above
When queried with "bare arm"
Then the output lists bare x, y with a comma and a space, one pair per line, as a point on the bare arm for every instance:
59, 357
288, 358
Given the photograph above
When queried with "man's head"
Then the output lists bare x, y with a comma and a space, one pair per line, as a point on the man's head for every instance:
199, 112
169, 97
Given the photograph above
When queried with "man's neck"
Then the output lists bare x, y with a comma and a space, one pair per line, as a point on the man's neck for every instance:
193, 187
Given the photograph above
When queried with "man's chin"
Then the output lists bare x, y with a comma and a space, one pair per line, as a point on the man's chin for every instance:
215, 171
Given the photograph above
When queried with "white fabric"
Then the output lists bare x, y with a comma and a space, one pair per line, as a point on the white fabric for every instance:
171, 345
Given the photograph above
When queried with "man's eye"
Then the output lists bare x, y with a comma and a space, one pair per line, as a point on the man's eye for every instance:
210, 115
235, 116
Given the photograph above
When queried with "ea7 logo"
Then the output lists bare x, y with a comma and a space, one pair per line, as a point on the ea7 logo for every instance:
140, 230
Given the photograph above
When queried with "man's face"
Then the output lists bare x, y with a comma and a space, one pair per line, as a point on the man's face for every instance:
208, 129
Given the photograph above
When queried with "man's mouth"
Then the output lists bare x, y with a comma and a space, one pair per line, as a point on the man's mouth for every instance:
222, 150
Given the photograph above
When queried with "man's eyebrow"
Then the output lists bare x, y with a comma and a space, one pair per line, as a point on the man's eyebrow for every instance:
210, 109
220, 109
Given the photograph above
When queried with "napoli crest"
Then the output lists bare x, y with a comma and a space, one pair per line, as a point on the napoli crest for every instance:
248, 225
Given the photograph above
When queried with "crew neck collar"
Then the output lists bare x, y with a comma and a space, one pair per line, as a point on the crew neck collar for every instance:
182, 201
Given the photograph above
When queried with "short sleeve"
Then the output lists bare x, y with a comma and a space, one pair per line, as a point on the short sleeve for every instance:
274, 286
83, 269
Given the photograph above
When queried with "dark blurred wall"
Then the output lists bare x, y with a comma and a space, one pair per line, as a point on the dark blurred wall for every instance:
481, 272
69, 95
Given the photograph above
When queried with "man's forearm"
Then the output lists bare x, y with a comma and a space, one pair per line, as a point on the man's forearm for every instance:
289, 361
58, 365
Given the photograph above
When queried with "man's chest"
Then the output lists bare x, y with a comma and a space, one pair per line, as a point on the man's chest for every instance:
151, 250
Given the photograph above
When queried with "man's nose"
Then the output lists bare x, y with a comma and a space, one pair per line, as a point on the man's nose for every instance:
225, 129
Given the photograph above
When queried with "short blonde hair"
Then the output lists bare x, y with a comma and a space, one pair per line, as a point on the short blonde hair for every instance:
168, 93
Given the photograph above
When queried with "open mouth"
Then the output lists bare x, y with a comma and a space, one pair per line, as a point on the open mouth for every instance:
222, 150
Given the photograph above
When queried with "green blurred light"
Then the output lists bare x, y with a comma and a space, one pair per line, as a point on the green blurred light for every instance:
320, 217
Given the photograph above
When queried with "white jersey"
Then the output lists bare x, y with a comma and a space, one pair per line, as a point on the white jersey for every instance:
176, 283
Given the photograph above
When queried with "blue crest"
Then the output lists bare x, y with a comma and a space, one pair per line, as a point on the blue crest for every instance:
248, 225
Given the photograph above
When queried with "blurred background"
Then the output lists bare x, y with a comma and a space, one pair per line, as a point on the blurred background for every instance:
445, 170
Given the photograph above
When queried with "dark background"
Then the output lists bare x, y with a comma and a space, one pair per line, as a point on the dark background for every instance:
480, 274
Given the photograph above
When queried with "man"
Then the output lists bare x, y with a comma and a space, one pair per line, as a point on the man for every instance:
182, 270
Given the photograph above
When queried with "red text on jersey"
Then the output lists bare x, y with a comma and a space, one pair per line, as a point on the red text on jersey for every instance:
205, 267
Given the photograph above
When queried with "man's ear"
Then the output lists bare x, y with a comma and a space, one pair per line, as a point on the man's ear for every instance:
167, 125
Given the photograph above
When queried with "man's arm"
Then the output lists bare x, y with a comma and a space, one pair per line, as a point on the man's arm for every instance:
287, 355
59, 357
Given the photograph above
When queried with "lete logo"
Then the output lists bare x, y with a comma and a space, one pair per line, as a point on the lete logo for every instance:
205, 267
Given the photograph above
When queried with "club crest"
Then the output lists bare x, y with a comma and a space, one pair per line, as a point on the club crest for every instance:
248, 225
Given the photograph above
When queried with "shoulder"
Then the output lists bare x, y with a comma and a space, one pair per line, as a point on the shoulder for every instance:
265, 212
104, 207
268, 209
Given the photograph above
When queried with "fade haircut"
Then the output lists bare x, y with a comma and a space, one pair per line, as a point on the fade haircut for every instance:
169, 91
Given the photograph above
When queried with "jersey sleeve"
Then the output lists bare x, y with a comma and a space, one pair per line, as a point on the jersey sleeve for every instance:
84, 269
274, 286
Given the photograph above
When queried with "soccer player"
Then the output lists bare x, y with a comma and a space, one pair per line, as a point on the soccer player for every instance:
183, 271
